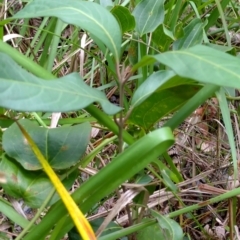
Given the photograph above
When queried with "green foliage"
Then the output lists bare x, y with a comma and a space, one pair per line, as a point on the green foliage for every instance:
37, 95
73, 144
125, 19
151, 53
87, 15
160, 94
32, 187
148, 15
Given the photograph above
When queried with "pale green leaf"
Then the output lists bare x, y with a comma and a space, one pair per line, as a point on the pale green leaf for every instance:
193, 35
149, 14
200, 63
90, 16
20, 90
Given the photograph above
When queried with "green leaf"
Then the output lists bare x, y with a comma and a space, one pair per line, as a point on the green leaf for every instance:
170, 228
33, 187
154, 231
150, 85
159, 95
20, 90
149, 14
161, 37
62, 146
193, 35
124, 17
228, 127
92, 191
106, 3
201, 63
214, 15
7, 210
90, 16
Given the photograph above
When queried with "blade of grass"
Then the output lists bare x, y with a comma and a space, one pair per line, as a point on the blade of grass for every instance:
9, 212
227, 122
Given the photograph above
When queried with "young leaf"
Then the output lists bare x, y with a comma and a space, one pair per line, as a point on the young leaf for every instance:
20, 90
62, 147
88, 15
149, 14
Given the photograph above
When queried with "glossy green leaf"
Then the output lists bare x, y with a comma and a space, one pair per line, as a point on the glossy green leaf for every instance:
62, 146
32, 187
193, 35
88, 15
20, 90
124, 17
149, 14
170, 228
201, 63
160, 94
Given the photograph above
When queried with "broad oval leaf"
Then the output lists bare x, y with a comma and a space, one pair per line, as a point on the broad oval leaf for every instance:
62, 146
32, 187
20, 90
202, 64
124, 18
149, 14
90, 16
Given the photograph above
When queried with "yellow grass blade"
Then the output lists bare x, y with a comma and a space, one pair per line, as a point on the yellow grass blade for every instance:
81, 223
